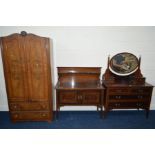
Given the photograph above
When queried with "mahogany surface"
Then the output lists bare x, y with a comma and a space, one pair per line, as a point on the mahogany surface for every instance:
26, 62
79, 86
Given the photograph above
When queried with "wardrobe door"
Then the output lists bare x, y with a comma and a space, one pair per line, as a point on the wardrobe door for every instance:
14, 67
39, 78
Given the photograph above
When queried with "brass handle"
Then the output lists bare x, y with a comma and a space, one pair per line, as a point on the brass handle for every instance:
118, 97
117, 104
79, 97
43, 115
43, 106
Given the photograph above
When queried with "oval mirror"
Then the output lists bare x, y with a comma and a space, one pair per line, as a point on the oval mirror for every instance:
123, 64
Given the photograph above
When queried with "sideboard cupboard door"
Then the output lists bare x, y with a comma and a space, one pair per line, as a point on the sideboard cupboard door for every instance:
91, 97
14, 68
69, 97
38, 72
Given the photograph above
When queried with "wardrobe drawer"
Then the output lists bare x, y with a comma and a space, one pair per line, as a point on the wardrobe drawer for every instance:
30, 116
29, 106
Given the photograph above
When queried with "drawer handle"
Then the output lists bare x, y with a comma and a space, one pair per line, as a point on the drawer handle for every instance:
79, 97
139, 104
117, 104
15, 106
43, 106
118, 97
140, 97
43, 115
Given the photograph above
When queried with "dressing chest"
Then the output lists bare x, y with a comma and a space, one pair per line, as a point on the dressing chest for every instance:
125, 90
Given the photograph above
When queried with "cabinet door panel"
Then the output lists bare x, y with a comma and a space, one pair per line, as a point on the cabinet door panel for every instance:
14, 67
90, 97
68, 97
38, 68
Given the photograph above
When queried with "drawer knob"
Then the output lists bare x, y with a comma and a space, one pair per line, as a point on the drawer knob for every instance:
43, 115
118, 97
117, 104
43, 106
79, 97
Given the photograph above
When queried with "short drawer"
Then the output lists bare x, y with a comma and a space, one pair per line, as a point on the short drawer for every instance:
29, 106
141, 90
30, 116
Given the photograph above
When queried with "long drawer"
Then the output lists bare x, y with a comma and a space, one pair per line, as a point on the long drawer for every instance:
129, 97
118, 105
28, 106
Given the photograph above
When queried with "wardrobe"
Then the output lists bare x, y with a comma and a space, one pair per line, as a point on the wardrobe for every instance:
27, 71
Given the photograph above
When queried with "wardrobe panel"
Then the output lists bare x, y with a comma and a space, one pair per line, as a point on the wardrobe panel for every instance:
37, 68
15, 68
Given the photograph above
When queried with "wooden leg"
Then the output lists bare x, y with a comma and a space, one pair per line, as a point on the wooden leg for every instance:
105, 113
97, 108
57, 105
101, 112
